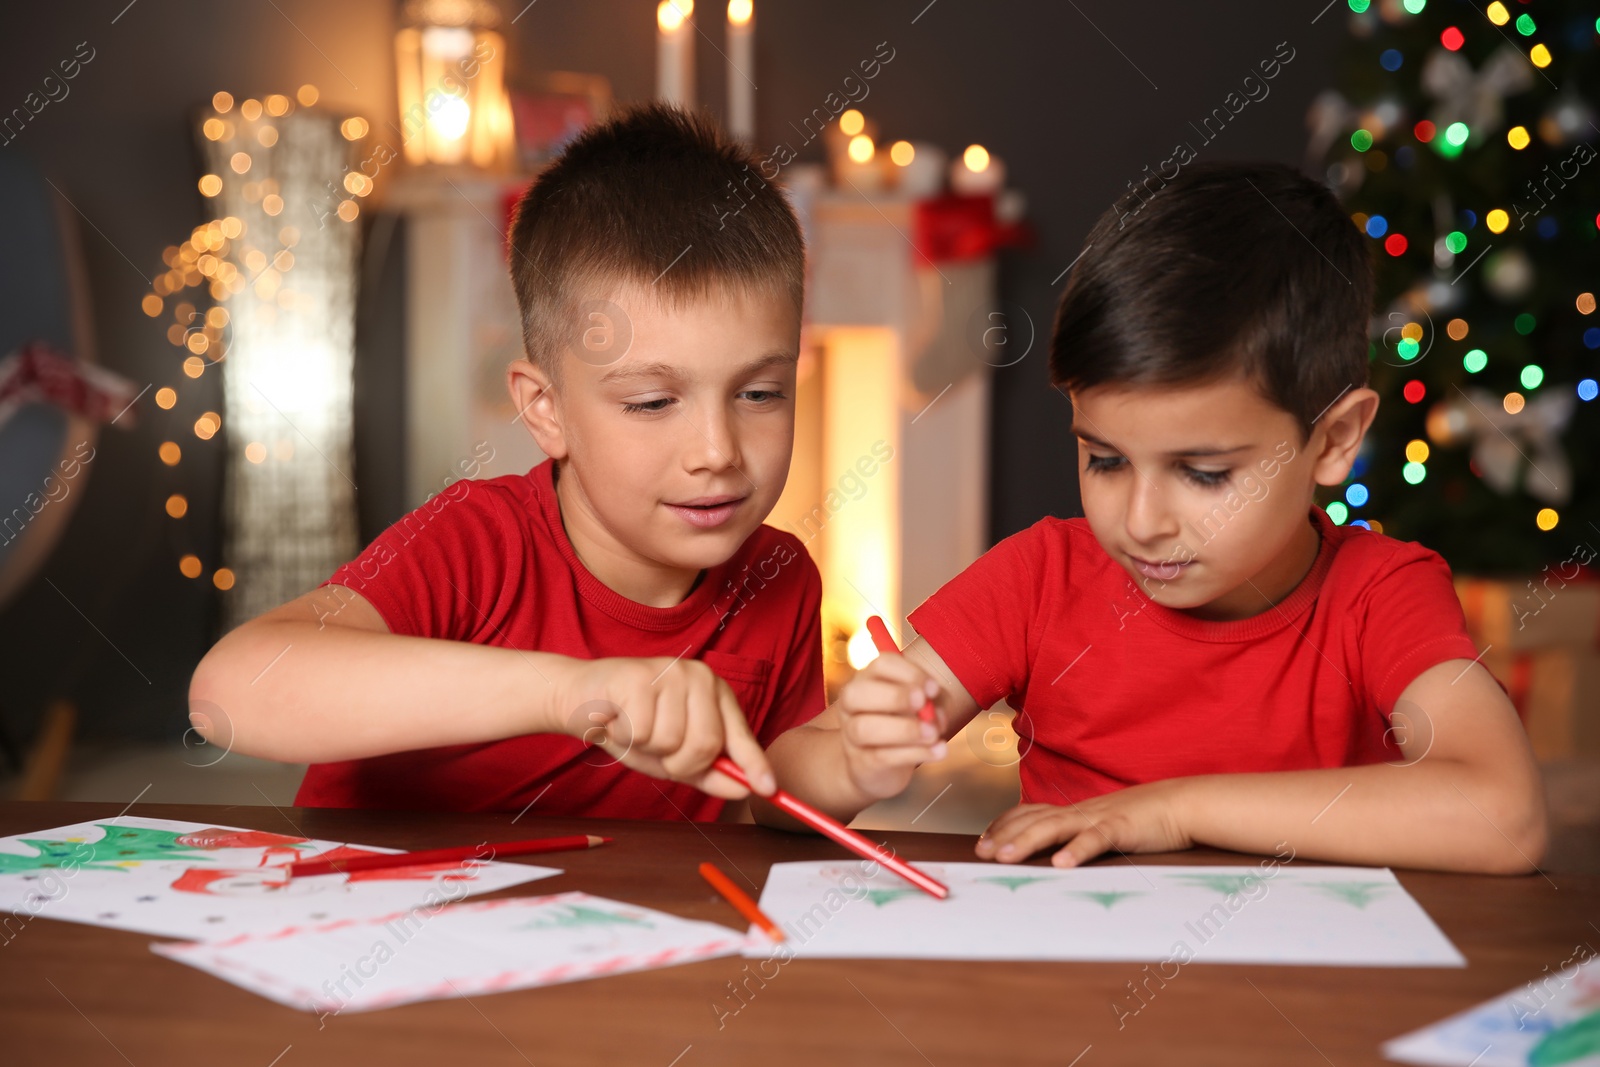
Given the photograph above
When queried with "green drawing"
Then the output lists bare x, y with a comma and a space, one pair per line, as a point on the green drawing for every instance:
570, 916
1578, 1040
1107, 898
1226, 884
880, 897
1014, 881
119, 847
1356, 894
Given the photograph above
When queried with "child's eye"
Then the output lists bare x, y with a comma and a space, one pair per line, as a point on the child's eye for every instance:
763, 396
1206, 479
1105, 463
648, 406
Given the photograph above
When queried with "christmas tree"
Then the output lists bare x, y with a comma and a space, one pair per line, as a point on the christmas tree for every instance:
117, 848
1462, 144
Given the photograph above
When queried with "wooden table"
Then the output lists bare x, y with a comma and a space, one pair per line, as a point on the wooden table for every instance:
76, 994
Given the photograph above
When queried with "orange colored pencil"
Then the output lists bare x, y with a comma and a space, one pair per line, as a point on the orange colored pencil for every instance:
739, 899
885, 643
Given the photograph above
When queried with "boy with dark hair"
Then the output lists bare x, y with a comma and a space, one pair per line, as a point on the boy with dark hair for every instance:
539, 640
1205, 658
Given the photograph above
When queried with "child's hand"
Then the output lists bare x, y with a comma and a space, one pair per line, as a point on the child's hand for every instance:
883, 739
1141, 818
668, 719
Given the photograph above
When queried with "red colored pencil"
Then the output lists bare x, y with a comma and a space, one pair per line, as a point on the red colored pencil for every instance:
885, 643
739, 899
847, 837
459, 854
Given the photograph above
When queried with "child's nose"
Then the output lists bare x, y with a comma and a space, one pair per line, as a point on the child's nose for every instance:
1149, 520
713, 443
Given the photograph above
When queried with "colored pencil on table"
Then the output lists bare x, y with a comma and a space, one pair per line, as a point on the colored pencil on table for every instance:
831, 827
459, 854
885, 643
739, 899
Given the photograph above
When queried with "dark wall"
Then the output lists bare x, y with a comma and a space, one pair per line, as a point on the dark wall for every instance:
1077, 108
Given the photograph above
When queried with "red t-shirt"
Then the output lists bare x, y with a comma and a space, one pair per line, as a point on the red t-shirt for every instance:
489, 562
1111, 689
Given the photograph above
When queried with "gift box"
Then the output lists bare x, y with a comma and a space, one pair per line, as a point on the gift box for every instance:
1543, 611
1541, 639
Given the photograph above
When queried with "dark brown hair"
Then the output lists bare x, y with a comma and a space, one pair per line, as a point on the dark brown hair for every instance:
657, 197
1228, 268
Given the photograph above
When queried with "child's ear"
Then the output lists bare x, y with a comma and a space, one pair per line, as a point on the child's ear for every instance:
533, 394
1338, 434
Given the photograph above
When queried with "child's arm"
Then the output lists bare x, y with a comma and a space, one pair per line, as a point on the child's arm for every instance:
865, 746
321, 679
1467, 797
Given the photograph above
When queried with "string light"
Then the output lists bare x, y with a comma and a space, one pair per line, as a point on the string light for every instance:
1513, 403
217, 259
1547, 518
1413, 473
1417, 451
1356, 494
1456, 328
1517, 137
1452, 38
1338, 512
861, 149
901, 153
852, 122
1415, 391
1497, 13
1497, 221
1475, 360
1585, 303
1361, 140
1532, 376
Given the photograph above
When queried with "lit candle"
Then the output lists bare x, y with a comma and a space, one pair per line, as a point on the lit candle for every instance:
675, 53
742, 70
977, 173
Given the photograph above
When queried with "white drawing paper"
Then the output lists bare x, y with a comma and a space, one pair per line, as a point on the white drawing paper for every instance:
184, 879
1552, 1019
1271, 913
461, 950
